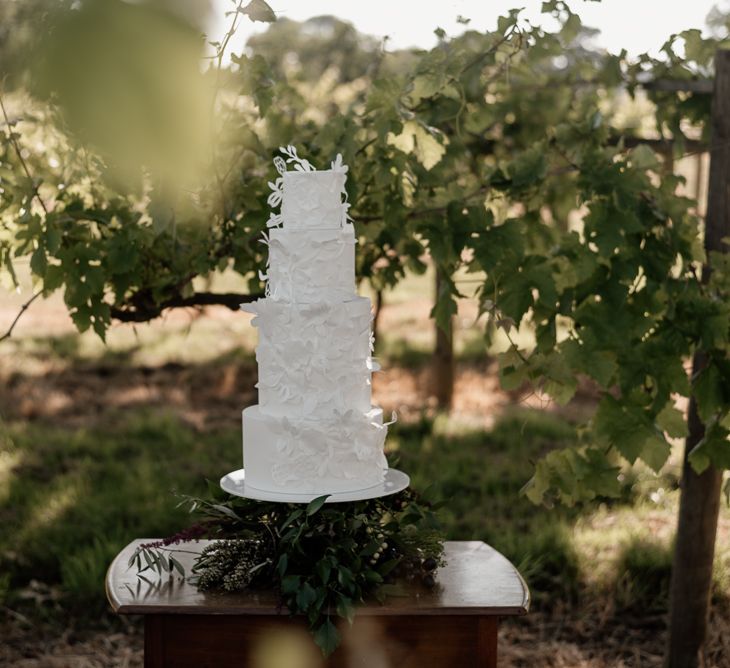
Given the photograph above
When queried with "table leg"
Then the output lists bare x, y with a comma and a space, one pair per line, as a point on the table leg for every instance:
154, 645
487, 642
398, 641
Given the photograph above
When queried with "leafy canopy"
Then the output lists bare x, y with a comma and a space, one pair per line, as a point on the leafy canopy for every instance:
501, 153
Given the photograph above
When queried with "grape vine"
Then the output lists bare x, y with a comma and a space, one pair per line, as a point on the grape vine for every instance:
476, 153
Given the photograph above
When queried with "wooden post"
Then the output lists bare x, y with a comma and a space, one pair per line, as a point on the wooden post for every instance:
379, 303
442, 369
700, 494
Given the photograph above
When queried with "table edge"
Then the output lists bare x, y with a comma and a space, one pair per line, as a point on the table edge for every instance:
133, 609
148, 610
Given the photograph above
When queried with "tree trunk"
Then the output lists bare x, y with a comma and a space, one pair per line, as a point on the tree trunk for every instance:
693, 554
699, 505
442, 369
379, 303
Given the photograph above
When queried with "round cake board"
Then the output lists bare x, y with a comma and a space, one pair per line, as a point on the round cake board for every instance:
394, 481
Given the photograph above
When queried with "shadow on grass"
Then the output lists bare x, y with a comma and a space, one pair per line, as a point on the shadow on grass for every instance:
88, 391
643, 572
481, 474
70, 499
74, 498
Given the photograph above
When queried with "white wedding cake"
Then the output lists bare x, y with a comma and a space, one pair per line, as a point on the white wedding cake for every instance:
314, 430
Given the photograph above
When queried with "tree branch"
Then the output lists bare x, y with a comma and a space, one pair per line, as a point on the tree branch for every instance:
146, 312
23, 309
23, 163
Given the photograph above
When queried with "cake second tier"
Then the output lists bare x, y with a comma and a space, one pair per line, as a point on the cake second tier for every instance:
311, 265
313, 359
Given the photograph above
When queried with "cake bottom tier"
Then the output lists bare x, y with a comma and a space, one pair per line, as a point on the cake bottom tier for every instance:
343, 453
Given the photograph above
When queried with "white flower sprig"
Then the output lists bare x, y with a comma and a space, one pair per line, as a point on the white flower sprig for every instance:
300, 164
338, 166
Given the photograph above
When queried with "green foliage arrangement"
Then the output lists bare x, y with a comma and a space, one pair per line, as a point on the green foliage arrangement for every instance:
324, 559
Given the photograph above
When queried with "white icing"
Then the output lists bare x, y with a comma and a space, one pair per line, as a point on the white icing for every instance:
314, 430
314, 359
343, 453
308, 198
313, 199
311, 265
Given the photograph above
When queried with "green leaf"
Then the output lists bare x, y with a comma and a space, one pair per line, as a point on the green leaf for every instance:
708, 392
345, 608
53, 236
327, 637
177, 565
306, 596
315, 505
295, 515
290, 584
282, 564
573, 477
134, 557
415, 138
714, 448
643, 157
225, 510
630, 429
571, 28
445, 307
671, 421
528, 168
324, 568
39, 261
344, 576
258, 10
373, 576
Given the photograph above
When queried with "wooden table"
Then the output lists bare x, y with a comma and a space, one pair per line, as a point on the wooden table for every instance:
453, 624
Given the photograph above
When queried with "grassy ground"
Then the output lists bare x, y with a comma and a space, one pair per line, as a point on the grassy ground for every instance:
96, 439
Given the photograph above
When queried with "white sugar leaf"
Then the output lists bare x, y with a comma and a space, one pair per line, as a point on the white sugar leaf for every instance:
280, 165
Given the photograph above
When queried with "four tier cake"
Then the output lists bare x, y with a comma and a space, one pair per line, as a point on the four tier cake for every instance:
314, 430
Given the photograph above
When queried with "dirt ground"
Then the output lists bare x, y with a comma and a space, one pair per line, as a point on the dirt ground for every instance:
564, 639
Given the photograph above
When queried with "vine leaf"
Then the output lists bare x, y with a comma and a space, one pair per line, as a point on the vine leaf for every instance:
327, 637
671, 421
258, 10
628, 428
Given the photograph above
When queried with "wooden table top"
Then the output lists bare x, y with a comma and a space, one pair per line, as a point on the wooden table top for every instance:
476, 580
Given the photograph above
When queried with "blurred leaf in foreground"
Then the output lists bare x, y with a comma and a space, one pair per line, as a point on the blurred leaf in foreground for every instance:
128, 79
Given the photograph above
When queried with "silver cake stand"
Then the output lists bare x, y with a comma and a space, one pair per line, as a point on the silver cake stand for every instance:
235, 483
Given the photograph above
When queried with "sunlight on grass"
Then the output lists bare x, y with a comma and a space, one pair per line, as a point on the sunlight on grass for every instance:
50, 506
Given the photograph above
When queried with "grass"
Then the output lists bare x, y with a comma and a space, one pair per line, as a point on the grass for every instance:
643, 572
70, 499
481, 474
75, 497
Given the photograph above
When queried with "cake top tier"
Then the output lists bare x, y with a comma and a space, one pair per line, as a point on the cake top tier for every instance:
309, 199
